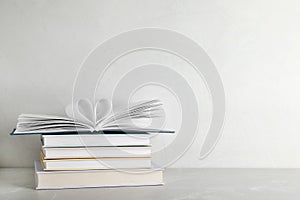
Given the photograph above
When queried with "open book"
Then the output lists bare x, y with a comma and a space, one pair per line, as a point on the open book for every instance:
83, 116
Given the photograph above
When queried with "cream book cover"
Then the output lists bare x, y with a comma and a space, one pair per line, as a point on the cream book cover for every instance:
95, 163
96, 178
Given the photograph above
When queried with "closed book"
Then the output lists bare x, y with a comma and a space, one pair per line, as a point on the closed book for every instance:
90, 140
96, 178
95, 152
95, 163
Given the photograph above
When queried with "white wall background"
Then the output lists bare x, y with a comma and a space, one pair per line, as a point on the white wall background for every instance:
254, 44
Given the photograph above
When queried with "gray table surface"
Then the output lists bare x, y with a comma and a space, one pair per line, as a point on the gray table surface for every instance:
212, 184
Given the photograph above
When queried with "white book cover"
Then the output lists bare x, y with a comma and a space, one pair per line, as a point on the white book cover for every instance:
95, 140
96, 178
96, 152
95, 163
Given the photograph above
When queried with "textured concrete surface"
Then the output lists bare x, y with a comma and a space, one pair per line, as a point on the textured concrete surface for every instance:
212, 184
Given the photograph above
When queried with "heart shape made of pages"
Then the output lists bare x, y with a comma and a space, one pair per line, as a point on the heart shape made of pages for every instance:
83, 110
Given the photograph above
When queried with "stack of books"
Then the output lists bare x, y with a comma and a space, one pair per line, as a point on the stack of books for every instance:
95, 160
73, 155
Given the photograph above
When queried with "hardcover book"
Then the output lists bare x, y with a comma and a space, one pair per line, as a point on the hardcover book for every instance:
96, 152
96, 140
85, 117
96, 178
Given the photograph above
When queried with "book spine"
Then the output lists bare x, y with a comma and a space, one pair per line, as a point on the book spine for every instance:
42, 140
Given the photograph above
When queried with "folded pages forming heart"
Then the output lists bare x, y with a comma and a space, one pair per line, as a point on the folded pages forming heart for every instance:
83, 115
83, 110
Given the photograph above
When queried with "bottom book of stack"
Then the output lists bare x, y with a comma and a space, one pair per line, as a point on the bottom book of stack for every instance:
96, 178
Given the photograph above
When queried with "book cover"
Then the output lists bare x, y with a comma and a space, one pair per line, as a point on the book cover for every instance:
96, 178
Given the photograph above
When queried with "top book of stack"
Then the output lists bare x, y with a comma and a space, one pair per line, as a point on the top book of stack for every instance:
87, 118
